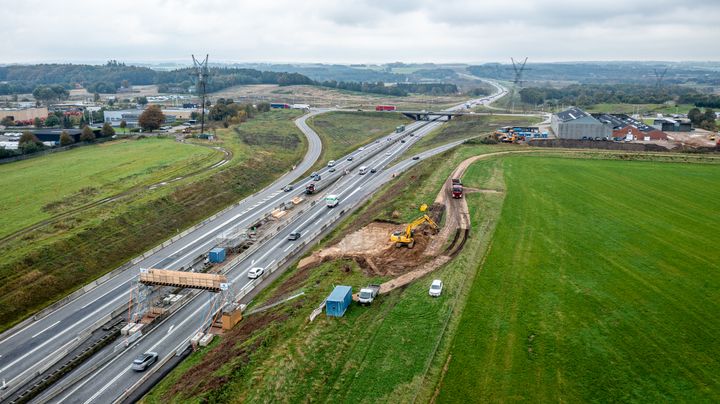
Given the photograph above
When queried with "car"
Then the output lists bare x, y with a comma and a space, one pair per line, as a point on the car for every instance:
372, 170
331, 170
331, 163
350, 158
256, 272
361, 149
288, 188
388, 154
142, 362
402, 141
317, 177
436, 288
416, 158
294, 235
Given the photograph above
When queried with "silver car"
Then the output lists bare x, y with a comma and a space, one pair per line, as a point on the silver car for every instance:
144, 361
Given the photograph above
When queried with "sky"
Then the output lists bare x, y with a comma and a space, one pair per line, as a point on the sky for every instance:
358, 31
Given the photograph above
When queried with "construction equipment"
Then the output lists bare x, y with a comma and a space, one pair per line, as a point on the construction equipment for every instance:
405, 238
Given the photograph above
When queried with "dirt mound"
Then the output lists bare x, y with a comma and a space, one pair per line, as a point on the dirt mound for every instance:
371, 248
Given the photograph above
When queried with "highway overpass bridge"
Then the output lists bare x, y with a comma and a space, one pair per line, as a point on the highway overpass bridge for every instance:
425, 115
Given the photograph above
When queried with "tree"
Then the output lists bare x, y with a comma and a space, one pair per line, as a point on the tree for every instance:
66, 139
28, 138
152, 118
52, 120
37, 122
96, 97
695, 116
87, 134
107, 130
142, 101
7, 121
263, 107
50, 93
67, 122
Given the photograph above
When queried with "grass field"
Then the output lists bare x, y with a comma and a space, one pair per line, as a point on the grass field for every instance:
641, 108
52, 261
601, 285
41, 187
342, 132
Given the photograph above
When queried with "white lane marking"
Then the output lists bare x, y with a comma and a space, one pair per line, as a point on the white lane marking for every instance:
49, 340
285, 250
171, 328
102, 390
253, 262
270, 263
45, 329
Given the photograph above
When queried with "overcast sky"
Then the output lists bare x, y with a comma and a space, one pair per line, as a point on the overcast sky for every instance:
358, 31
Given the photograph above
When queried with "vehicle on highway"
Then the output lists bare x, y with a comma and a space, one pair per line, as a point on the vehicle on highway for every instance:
350, 158
416, 158
361, 149
255, 272
402, 141
331, 201
331, 169
144, 361
294, 235
288, 188
373, 171
436, 288
363, 170
331, 163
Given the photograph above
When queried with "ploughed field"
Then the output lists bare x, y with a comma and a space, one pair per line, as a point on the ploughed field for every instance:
602, 283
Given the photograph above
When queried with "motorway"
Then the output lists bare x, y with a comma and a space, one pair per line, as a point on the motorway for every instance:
23, 350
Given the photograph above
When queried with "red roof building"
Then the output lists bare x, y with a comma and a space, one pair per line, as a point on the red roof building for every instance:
654, 134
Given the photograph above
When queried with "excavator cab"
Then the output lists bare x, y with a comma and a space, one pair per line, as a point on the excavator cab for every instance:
405, 237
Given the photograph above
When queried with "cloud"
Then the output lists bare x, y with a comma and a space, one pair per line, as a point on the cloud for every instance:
357, 30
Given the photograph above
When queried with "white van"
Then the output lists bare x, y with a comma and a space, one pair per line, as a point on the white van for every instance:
331, 201
331, 163
363, 170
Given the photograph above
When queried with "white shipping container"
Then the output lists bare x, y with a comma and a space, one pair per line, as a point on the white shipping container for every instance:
126, 330
207, 339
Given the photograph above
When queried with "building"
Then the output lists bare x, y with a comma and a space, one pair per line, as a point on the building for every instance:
53, 135
625, 127
24, 114
574, 123
130, 116
179, 113
673, 125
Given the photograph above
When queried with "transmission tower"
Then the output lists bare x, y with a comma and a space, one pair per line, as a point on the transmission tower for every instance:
659, 76
517, 81
201, 76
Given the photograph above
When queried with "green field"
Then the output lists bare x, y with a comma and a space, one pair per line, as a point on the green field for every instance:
40, 187
601, 285
342, 132
641, 108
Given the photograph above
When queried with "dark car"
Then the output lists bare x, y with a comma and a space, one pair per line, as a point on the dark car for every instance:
144, 361
402, 141
372, 170
288, 188
350, 158
294, 235
416, 158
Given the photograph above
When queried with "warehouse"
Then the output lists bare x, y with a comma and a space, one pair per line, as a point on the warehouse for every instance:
574, 123
625, 127
673, 125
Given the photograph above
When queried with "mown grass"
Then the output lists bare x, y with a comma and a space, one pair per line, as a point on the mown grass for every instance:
601, 285
468, 126
82, 248
619, 108
39, 188
342, 132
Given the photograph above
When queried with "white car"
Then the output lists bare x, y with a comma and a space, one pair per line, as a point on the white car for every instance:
256, 272
436, 288
361, 149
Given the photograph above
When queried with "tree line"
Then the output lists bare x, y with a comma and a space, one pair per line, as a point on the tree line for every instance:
584, 95
400, 89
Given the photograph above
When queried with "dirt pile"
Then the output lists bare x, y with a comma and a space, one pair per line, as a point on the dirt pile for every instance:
371, 248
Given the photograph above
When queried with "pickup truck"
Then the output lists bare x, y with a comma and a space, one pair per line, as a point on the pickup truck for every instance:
368, 294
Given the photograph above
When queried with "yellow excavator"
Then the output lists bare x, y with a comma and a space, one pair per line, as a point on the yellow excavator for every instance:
405, 238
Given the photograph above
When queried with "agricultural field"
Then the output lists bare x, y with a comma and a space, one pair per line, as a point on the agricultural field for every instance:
51, 261
59, 181
341, 132
601, 285
665, 109
563, 300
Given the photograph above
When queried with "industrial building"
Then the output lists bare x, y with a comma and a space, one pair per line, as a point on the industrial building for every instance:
625, 127
131, 116
574, 123
673, 125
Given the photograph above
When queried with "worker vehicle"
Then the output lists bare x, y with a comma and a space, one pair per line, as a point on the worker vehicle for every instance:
363, 170
456, 181
256, 272
457, 191
310, 189
385, 108
368, 294
294, 235
142, 362
436, 288
331, 201
405, 237
331, 163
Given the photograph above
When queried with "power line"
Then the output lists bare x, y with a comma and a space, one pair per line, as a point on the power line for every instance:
518, 69
201, 73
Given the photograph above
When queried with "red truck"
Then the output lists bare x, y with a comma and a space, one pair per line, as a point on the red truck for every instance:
385, 108
457, 189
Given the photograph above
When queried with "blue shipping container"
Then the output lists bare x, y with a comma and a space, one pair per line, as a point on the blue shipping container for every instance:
338, 301
217, 255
